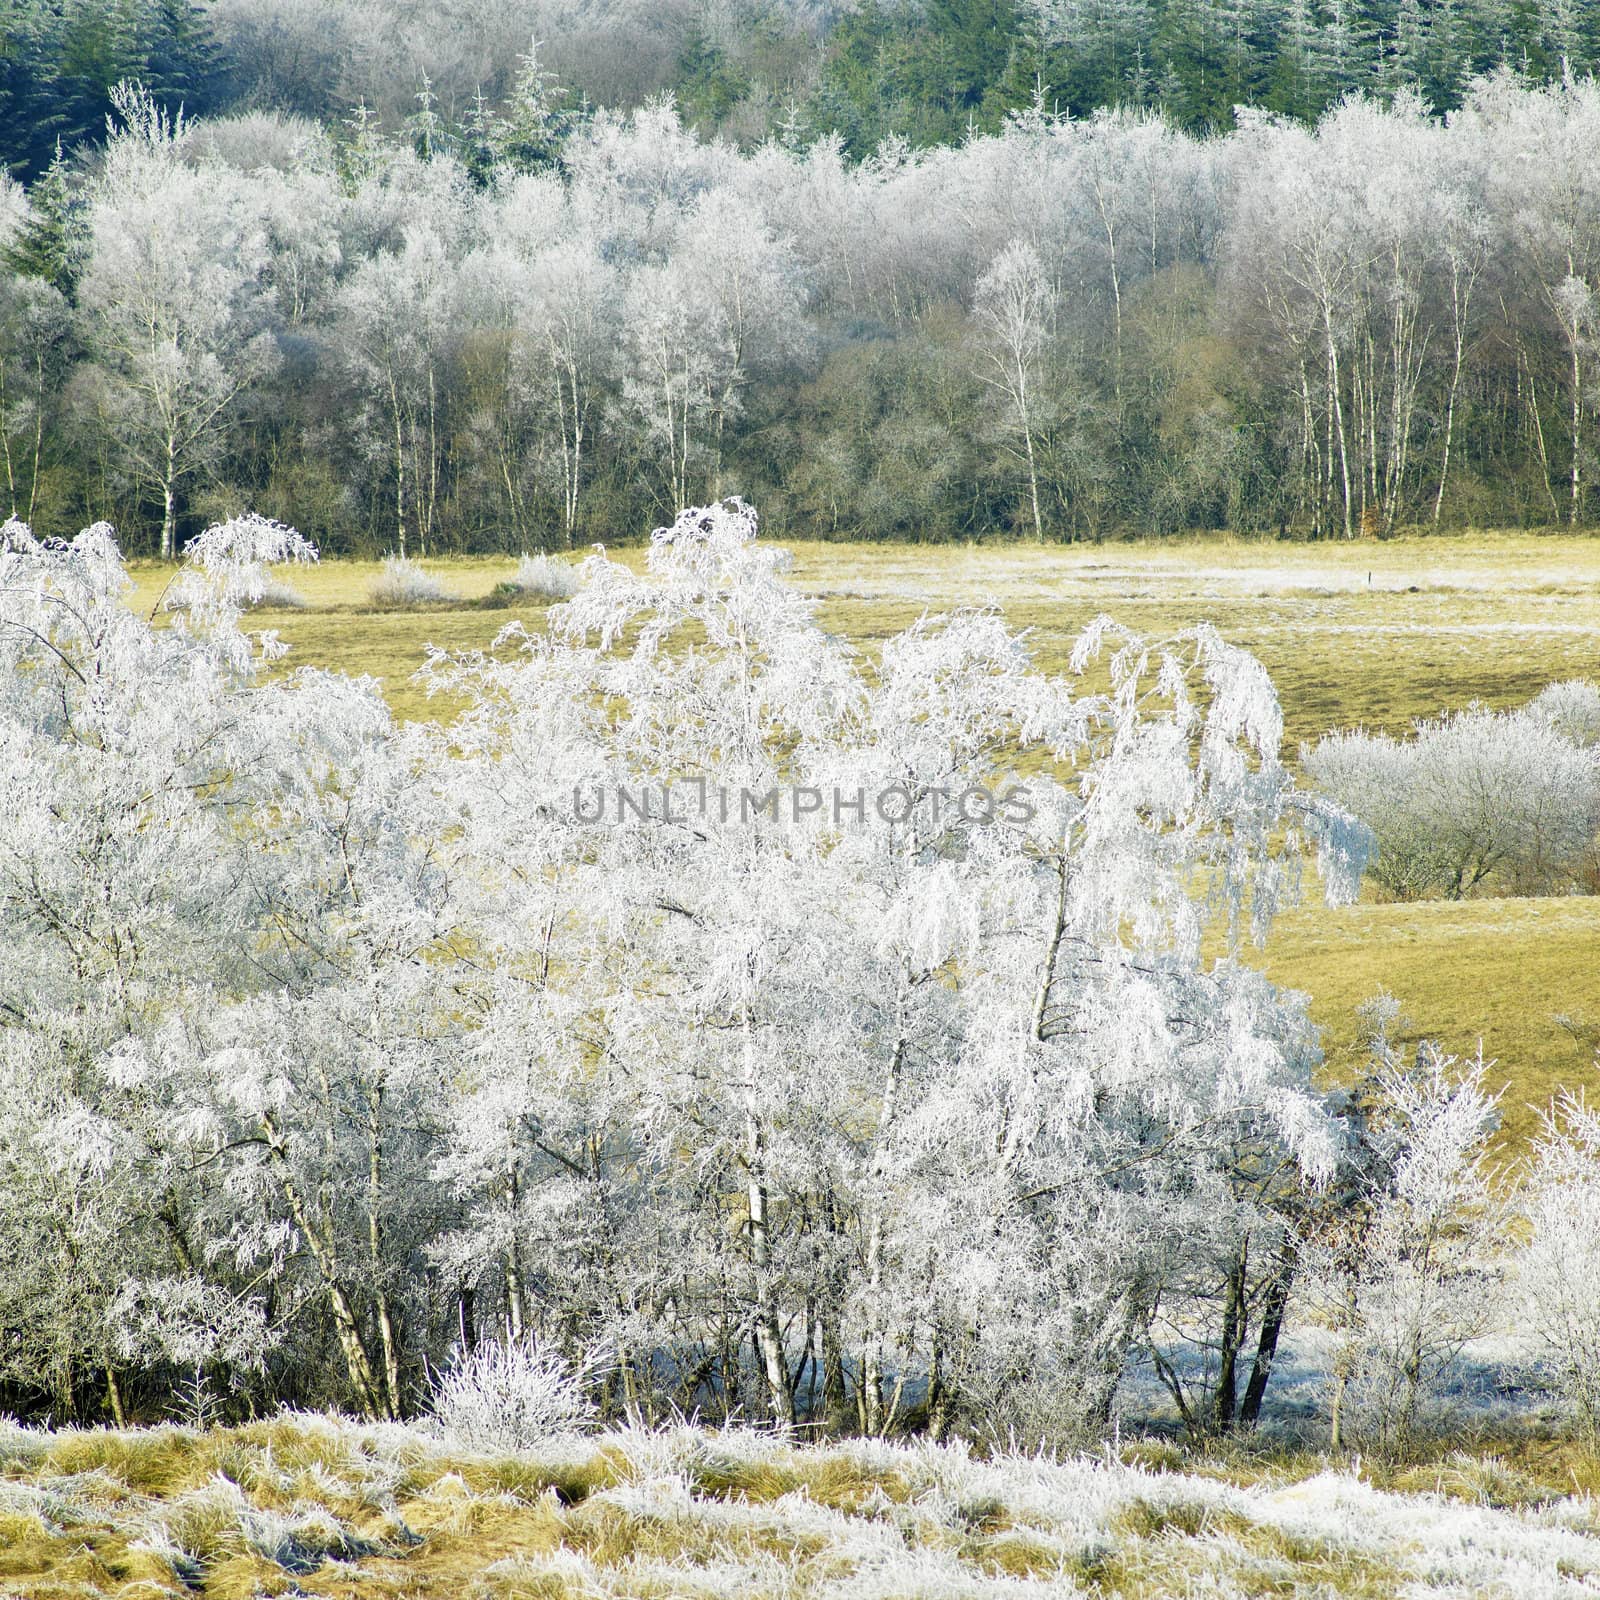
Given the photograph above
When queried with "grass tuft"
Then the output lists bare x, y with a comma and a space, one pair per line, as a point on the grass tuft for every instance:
305, 1505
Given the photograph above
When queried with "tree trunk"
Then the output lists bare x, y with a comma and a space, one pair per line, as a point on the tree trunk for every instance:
399, 470
1235, 1316
119, 1412
1577, 430
516, 1303
346, 1324
768, 1331
386, 1328
835, 1393
169, 501
1274, 1305
1338, 418
1033, 477
1450, 411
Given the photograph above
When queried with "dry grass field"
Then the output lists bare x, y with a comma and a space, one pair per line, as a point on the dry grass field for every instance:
312, 1506
1352, 633
1363, 633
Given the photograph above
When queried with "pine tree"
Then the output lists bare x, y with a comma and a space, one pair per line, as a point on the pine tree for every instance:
425, 128
536, 119
362, 145
477, 140
53, 242
1404, 63
1297, 78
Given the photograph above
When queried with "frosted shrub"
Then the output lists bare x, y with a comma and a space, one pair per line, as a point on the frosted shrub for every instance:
1559, 1276
404, 583
1373, 777
1472, 798
504, 1397
1399, 1270
1572, 709
542, 578
278, 595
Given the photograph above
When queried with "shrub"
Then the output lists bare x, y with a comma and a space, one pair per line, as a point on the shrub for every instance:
1559, 1269
278, 595
513, 1396
1572, 709
1399, 1268
1472, 797
543, 578
403, 583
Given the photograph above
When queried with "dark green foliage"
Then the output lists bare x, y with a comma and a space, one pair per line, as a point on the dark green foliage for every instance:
710, 84
53, 241
927, 73
929, 70
59, 62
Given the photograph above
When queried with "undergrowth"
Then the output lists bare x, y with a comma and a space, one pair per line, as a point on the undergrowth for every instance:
309, 1505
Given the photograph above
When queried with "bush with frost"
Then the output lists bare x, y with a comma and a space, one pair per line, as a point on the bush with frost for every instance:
1400, 1266
512, 1396
1558, 1277
1509, 800
404, 583
1572, 709
542, 577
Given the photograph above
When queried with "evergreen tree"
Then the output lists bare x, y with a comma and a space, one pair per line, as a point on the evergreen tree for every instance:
361, 143
476, 144
425, 128
53, 241
536, 118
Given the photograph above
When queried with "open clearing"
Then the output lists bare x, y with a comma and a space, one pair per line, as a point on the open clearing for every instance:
1361, 633
1352, 633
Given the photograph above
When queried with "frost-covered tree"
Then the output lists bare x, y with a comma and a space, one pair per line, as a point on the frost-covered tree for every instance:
1558, 1269
132, 754
1401, 1270
724, 305
1013, 311
171, 298
1553, 212
551, 300
196, 1327
393, 319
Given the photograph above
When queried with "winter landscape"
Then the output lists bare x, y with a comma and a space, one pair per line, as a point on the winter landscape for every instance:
799, 799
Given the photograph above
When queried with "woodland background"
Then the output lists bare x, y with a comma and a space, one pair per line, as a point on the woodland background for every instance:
416, 282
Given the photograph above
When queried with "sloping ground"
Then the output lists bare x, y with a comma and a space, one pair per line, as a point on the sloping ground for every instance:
1519, 976
309, 1506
